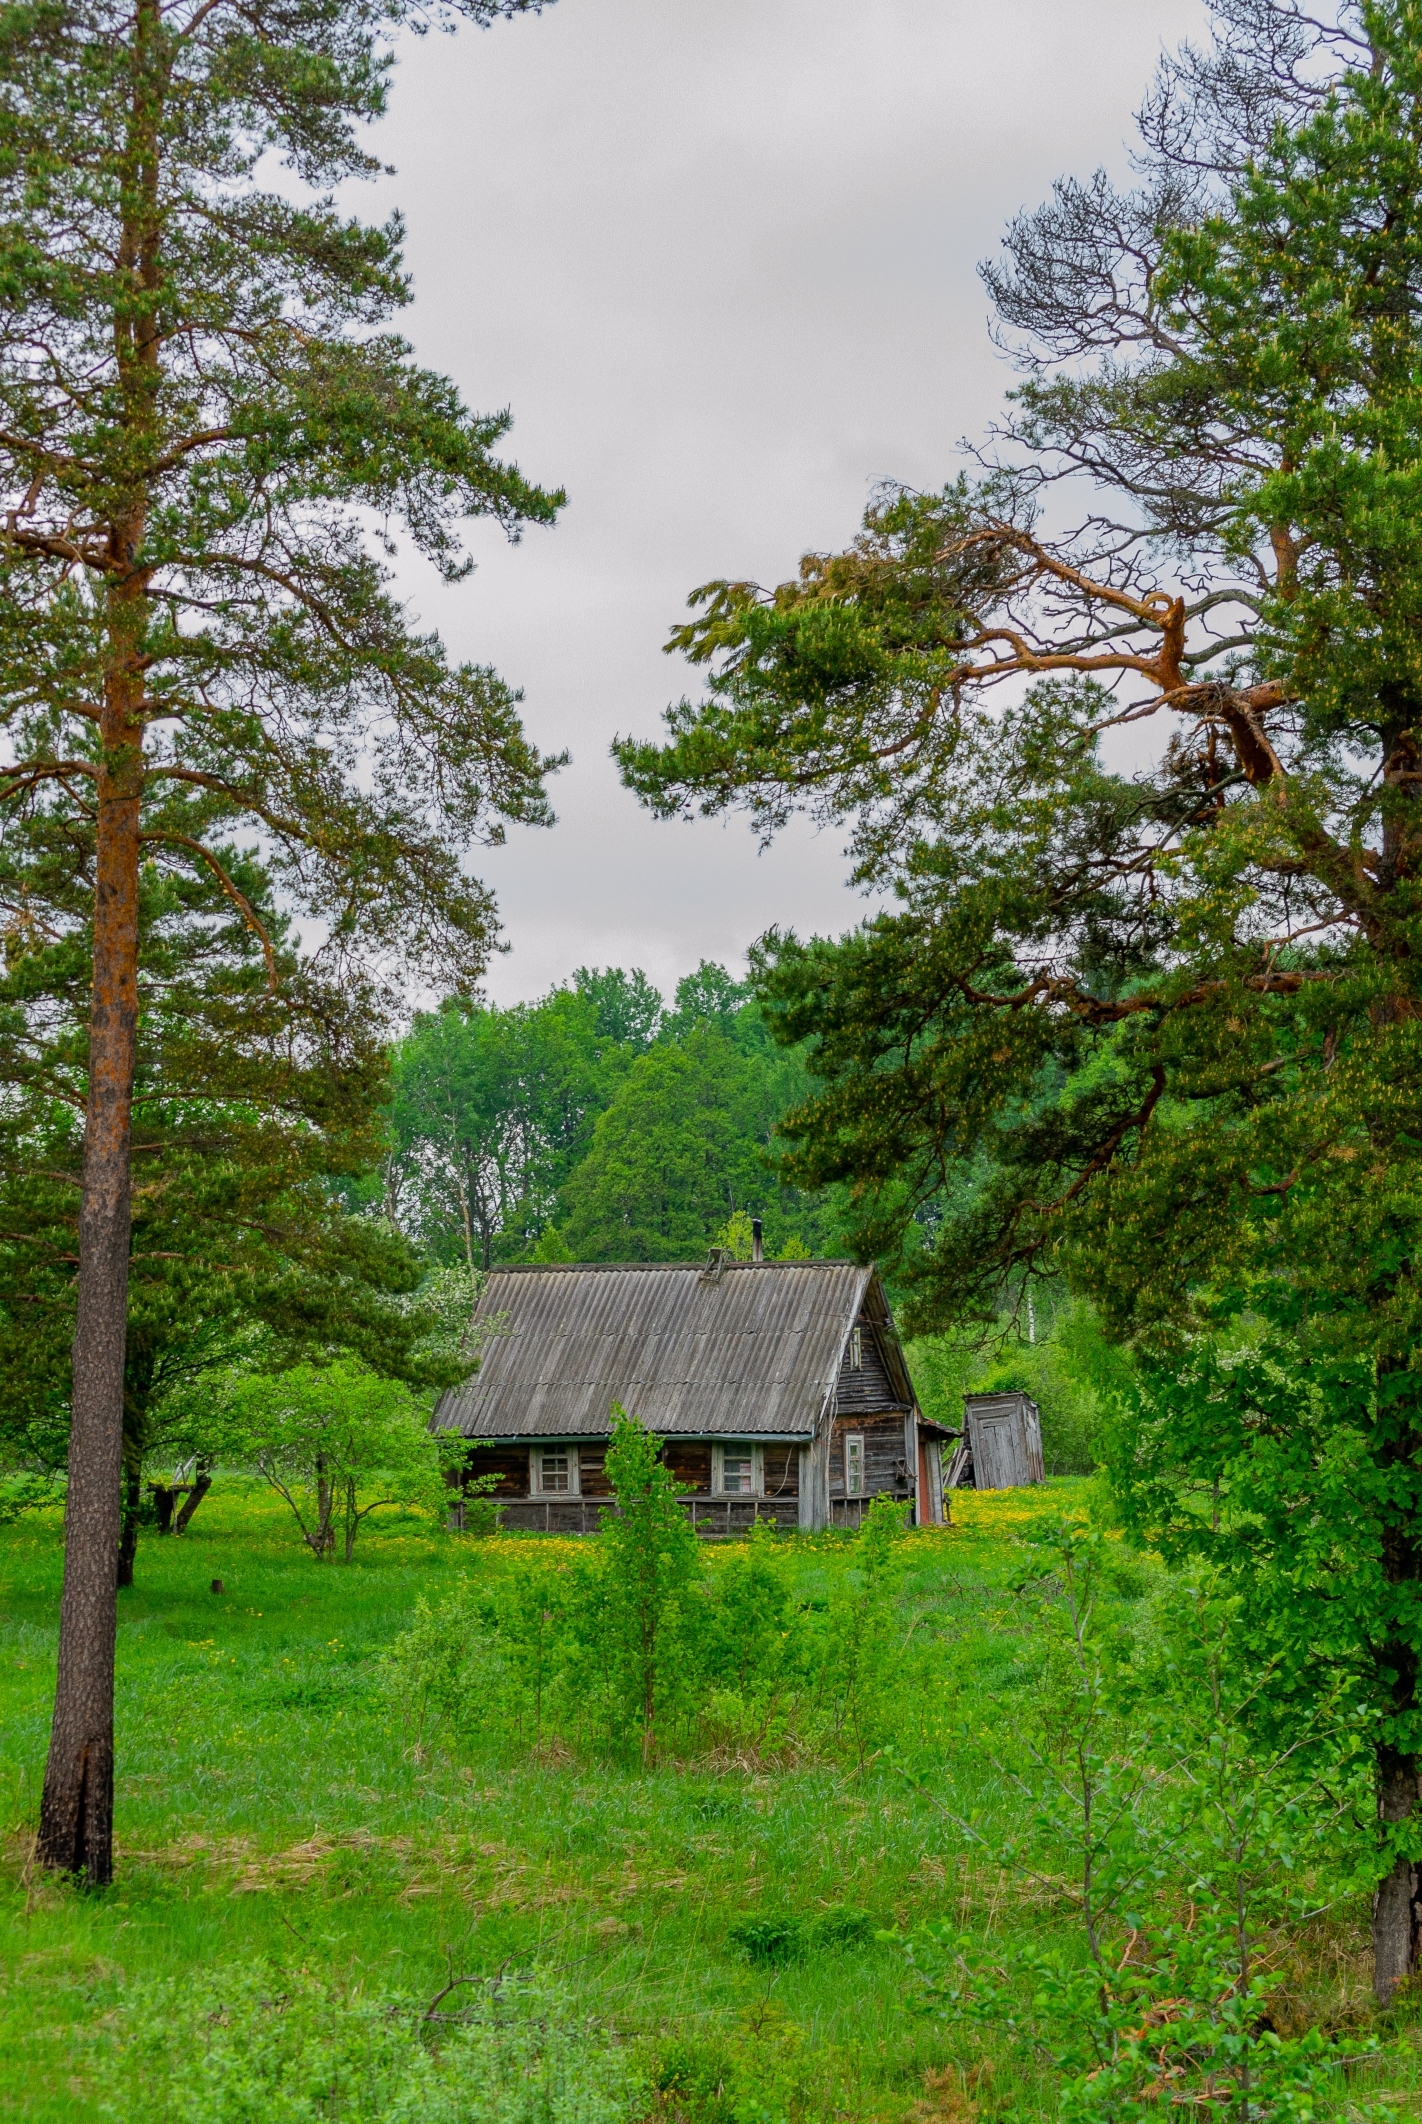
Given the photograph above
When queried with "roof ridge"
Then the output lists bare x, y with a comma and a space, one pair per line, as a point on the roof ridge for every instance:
585, 1268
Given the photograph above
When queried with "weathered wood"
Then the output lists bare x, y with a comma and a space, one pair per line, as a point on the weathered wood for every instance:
866, 1386
1004, 1434
714, 1518
196, 1493
885, 1466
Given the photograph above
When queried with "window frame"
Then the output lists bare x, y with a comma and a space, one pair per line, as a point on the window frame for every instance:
856, 1349
739, 1449
536, 1484
848, 1439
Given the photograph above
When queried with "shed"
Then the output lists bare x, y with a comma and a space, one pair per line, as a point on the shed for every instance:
1002, 1444
780, 1388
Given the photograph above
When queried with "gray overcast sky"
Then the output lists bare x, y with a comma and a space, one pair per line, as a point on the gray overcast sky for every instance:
719, 257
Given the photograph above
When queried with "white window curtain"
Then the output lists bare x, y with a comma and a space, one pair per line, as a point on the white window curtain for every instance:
553, 1471
738, 1471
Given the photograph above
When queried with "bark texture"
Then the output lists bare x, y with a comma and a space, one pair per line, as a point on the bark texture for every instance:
1397, 1911
128, 1537
76, 1811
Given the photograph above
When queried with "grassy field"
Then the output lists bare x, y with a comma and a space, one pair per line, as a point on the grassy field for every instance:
271, 1803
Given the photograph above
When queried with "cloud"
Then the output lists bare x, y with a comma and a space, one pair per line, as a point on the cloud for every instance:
719, 257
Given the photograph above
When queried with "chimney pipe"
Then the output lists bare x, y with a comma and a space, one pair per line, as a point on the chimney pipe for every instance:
757, 1248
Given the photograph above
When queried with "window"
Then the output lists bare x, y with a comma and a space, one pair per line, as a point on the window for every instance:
554, 1470
854, 1463
856, 1350
738, 1470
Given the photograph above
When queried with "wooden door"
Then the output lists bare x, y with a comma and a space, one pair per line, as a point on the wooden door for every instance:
995, 1454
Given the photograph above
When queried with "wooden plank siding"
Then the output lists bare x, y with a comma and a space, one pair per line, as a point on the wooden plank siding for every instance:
1004, 1433
886, 1467
867, 1386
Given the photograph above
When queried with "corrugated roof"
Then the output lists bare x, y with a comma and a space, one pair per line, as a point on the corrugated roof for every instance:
754, 1350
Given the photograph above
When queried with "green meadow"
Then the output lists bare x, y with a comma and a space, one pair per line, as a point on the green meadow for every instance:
276, 1804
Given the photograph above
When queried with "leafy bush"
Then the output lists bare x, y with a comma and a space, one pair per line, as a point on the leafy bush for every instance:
260, 2045
28, 1492
1151, 1793
487, 1660
647, 1642
782, 1937
770, 1941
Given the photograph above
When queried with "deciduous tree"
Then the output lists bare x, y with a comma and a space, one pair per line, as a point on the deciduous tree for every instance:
336, 1443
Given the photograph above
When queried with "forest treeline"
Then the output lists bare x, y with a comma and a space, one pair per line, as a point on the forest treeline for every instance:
596, 1124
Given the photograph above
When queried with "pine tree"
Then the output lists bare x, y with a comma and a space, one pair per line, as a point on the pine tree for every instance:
1161, 1030
255, 1105
202, 410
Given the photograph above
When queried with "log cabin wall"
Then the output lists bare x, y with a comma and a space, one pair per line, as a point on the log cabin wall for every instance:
687, 1459
508, 1462
592, 1468
886, 1467
868, 1405
782, 1472
865, 1386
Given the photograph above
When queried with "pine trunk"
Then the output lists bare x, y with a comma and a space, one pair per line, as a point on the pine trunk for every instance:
76, 1811
77, 1806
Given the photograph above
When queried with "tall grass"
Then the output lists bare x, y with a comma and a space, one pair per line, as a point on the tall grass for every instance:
276, 1807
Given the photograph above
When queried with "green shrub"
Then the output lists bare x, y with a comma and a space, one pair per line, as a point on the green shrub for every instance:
770, 1941
774, 1941
843, 1926
488, 1660
260, 2045
28, 1492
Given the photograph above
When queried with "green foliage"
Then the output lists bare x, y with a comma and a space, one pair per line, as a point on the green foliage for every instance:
863, 1672
206, 443
640, 1644
275, 1808
686, 1142
492, 1110
27, 1492
336, 1443
493, 1660
253, 1102
1189, 1845
269, 2045
736, 1236
1275, 1469
628, 1009
594, 1126
638, 1620
774, 1941
1067, 1370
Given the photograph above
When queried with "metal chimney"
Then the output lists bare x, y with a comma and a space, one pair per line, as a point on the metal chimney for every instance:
757, 1246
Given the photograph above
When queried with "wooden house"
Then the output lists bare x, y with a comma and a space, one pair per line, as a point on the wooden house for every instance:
780, 1388
1001, 1447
